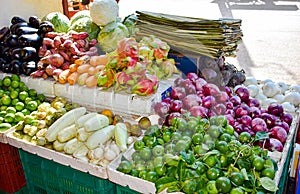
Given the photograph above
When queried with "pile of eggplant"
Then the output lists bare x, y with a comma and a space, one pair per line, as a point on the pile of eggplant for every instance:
20, 43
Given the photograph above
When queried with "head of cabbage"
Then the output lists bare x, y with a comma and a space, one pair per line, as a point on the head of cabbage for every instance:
60, 21
110, 35
85, 24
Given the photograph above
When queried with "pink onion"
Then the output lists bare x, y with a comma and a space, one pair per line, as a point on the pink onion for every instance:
222, 97
199, 111
176, 105
199, 83
243, 93
191, 100
278, 133
210, 89
178, 93
208, 101
275, 109
276, 145
258, 124
192, 76
161, 108
229, 105
286, 117
236, 100
254, 112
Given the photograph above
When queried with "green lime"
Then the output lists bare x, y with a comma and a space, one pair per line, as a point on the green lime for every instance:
1, 82
25, 111
41, 97
3, 108
210, 160
245, 137
258, 163
6, 81
19, 116
6, 100
19, 106
223, 184
268, 172
14, 94
14, 101
27, 100
32, 93
236, 190
23, 95
15, 77
32, 105
222, 146
9, 118
237, 178
23, 87
11, 109
15, 84
2, 113
212, 173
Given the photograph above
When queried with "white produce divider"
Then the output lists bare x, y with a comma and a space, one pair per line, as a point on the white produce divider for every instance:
96, 98
58, 157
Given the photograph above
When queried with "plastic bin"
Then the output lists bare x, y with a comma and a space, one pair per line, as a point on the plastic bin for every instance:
47, 176
12, 176
124, 190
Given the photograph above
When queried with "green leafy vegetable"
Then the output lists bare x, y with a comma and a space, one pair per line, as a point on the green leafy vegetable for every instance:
60, 21
111, 34
268, 184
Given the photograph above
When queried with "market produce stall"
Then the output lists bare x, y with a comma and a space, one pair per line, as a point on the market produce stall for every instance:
107, 100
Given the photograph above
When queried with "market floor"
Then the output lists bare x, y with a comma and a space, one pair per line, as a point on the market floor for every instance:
271, 28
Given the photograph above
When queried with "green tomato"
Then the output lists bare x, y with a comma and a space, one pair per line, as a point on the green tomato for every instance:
145, 153
197, 138
166, 136
158, 150
189, 186
138, 144
211, 187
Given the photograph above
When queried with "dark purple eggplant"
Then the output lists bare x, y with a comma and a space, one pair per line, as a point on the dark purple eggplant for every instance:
6, 53
14, 27
46, 27
11, 40
6, 68
2, 63
4, 32
25, 30
34, 21
15, 67
28, 67
32, 40
17, 19
15, 53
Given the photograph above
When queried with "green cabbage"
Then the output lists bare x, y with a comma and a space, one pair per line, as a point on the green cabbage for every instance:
85, 24
110, 35
130, 23
60, 21
78, 15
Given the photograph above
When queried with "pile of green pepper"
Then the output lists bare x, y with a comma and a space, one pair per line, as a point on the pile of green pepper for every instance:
197, 155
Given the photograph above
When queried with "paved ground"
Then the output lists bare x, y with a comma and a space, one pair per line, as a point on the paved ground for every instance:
271, 42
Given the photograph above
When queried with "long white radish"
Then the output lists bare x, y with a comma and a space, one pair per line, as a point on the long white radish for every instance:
67, 119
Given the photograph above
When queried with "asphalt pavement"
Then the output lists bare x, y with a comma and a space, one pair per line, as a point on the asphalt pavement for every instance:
271, 43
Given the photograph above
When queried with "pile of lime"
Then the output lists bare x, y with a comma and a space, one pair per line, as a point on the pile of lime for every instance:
16, 101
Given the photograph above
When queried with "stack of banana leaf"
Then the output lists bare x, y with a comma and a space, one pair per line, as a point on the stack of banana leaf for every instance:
213, 38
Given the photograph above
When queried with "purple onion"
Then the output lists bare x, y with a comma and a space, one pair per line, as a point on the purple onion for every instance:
246, 120
161, 108
278, 133
178, 81
228, 91
275, 145
199, 111
275, 109
199, 83
258, 124
284, 125
241, 110
269, 119
243, 93
192, 76
286, 117
167, 100
210, 89
222, 97
178, 93
219, 109
208, 101
191, 100
176, 105
235, 100
173, 115
254, 112
253, 102
230, 119
229, 105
